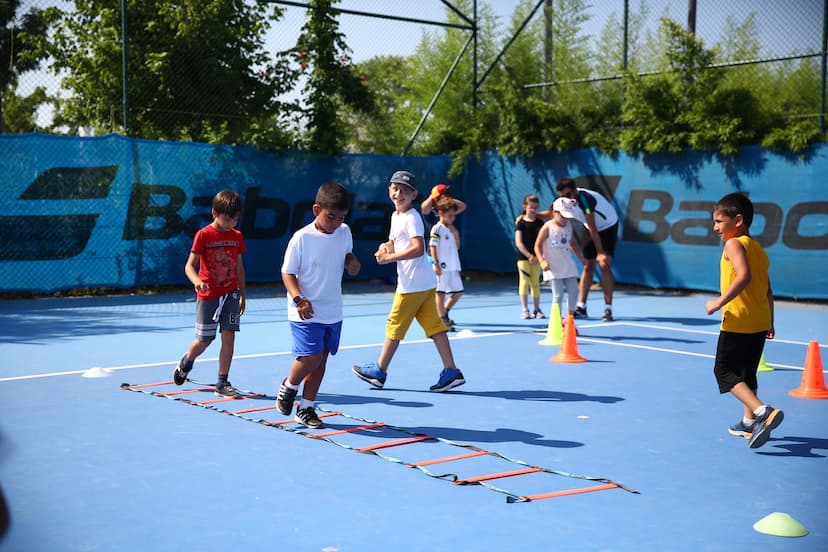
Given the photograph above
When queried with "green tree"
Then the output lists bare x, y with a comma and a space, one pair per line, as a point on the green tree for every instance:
686, 105
387, 128
22, 48
332, 81
197, 68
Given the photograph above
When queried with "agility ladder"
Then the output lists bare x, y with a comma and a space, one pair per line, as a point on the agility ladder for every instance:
482, 480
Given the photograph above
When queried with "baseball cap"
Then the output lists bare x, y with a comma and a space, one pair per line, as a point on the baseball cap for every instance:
405, 178
568, 208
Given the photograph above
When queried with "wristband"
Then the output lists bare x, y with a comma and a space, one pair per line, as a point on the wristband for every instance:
298, 298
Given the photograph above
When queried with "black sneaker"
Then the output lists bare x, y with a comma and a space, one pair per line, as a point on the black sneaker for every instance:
181, 371
285, 399
579, 312
308, 418
448, 323
607, 317
762, 426
226, 389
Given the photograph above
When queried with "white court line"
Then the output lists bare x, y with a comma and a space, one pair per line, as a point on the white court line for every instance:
419, 341
236, 357
674, 351
705, 332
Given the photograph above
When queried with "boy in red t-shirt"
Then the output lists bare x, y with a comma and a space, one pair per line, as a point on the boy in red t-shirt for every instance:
220, 288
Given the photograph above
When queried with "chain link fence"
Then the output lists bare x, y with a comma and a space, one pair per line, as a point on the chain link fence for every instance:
769, 40
160, 179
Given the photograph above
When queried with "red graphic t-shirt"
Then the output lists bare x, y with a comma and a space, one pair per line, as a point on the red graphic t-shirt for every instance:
219, 253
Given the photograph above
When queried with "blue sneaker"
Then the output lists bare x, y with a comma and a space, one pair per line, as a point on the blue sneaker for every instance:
741, 430
371, 373
762, 426
449, 378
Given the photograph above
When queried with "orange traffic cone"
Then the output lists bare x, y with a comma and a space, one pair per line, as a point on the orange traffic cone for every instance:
554, 333
813, 380
569, 348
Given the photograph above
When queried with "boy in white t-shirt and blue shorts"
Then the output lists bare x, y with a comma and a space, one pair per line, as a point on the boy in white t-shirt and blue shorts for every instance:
315, 259
416, 289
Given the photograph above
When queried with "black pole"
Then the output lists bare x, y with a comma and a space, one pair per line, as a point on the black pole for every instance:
691, 17
125, 65
824, 54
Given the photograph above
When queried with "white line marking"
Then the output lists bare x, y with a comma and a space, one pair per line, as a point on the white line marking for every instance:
236, 357
473, 336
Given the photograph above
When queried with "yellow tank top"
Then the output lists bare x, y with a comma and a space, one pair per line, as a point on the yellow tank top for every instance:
748, 312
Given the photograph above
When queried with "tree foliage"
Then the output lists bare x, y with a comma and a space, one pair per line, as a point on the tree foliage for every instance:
331, 83
200, 70
22, 48
197, 69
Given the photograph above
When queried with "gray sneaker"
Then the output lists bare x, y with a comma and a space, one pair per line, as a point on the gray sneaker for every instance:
762, 426
739, 429
227, 390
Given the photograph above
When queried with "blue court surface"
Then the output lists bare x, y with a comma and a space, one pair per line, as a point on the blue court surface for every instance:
626, 451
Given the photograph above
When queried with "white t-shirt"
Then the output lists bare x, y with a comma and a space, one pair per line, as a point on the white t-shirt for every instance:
412, 274
593, 202
318, 262
443, 239
558, 252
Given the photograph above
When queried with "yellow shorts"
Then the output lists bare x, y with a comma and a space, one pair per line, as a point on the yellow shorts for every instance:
408, 306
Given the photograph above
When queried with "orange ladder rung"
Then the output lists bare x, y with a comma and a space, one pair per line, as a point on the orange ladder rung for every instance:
495, 476
447, 459
184, 392
568, 492
349, 430
292, 421
225, 399
394, 443
257, 409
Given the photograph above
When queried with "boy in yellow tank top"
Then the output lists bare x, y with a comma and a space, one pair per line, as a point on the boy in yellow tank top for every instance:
746, 302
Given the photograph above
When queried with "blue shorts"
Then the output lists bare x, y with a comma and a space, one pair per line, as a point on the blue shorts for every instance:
311, 338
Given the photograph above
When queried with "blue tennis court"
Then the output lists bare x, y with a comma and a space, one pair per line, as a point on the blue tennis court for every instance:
626, 451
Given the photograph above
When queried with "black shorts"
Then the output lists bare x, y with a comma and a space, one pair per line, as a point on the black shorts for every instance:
609, 238
737, 359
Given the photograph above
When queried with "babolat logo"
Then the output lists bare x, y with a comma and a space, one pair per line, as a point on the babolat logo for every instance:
56, 236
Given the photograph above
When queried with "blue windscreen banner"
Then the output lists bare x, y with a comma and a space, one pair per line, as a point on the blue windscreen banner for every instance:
117, 212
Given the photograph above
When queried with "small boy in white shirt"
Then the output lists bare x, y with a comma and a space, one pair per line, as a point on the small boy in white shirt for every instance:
444, 245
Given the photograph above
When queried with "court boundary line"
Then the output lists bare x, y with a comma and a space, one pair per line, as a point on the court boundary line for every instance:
472, 336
